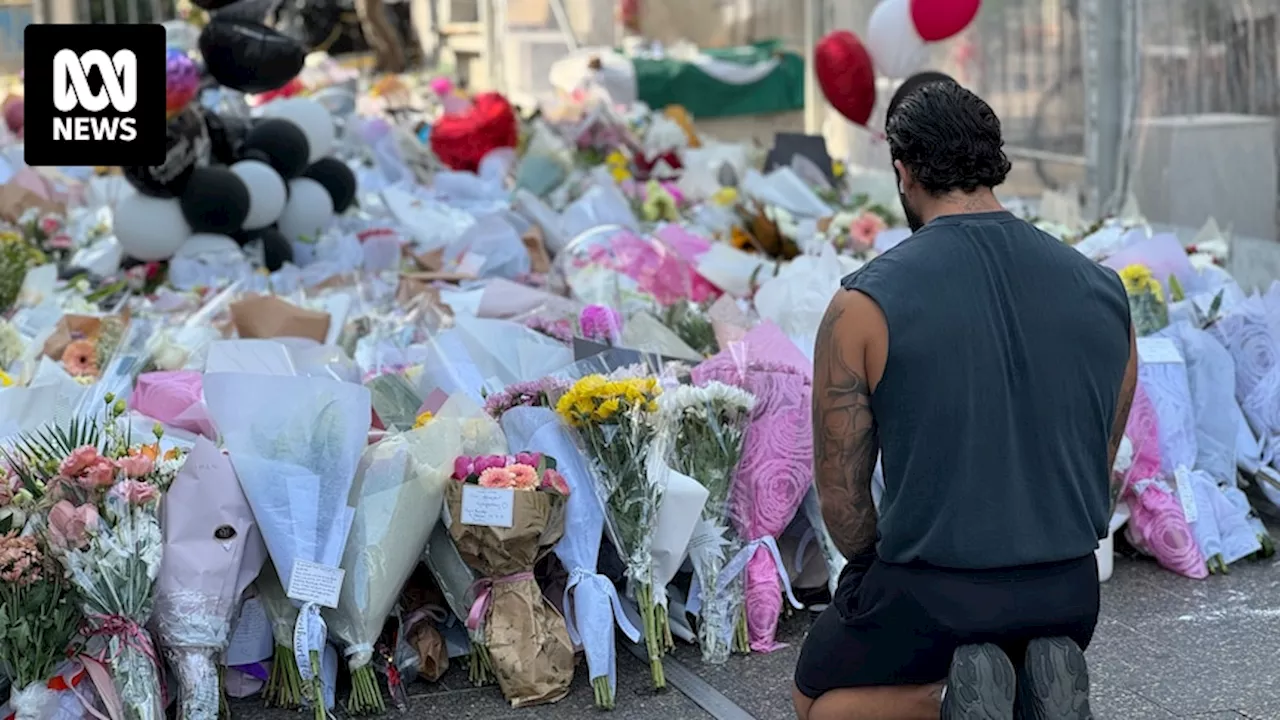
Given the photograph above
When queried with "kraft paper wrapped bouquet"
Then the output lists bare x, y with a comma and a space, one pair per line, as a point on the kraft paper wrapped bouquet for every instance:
504, 514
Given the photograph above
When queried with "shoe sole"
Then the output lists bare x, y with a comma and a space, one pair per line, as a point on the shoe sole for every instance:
980, 686
1054, 681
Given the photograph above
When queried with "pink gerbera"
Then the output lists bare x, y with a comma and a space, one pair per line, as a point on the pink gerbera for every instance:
497, 478
555, 482
523, 477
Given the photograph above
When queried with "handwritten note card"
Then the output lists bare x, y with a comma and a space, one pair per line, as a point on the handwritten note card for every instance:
252, 640
494, 507
313, 582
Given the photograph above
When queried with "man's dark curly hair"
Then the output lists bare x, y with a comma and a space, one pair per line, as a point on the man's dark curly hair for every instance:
948, 138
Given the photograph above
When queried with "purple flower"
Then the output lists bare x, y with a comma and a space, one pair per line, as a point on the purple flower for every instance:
600, 323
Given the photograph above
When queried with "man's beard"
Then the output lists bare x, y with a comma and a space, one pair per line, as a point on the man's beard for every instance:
914, 221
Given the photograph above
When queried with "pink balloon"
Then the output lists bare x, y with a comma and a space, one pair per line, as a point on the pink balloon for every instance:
940, 19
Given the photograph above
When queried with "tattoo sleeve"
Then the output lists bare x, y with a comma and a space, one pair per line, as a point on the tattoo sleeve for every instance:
1123, 405
845, 443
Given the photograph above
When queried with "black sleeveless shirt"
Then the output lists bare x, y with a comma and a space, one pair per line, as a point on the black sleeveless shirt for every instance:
1007, 349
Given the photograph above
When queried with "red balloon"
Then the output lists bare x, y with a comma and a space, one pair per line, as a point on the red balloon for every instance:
461, 141
940, 19
846, 74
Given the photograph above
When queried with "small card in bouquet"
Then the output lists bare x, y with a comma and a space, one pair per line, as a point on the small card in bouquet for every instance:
311, 582
491, 507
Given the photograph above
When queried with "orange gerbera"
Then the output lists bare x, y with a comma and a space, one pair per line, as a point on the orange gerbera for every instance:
80, 358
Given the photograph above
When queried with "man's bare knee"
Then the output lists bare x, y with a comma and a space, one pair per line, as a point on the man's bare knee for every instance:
801, 702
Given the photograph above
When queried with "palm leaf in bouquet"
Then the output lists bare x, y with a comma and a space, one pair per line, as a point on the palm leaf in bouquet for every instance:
35, 456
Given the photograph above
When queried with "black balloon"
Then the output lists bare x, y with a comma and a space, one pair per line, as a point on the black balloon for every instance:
913, 83
248, 56
276, 250
280, 144
216, 201
337, 178
226, 136
187, 146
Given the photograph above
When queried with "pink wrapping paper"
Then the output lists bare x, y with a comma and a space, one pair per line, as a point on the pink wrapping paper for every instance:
175, 399
776, 469
1157, 524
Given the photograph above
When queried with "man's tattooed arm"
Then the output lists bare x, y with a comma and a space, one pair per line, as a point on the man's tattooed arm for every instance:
845, 444
1123, 404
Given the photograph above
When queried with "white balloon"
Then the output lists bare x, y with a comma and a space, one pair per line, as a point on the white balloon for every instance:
895, 46
150, 228
308, 211
314, 119
207, 244
267, 192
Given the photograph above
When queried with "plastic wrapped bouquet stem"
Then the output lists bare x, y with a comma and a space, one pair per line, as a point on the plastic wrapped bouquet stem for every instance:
614, 422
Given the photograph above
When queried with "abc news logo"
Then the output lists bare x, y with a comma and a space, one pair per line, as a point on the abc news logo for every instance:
95, 97
71, 91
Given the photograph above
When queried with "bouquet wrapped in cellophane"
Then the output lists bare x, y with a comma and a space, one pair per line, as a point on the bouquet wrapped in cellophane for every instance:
38, 619
614, 421
401, 483
504, 514
102, 525
295, 443
1146, 299
700, 432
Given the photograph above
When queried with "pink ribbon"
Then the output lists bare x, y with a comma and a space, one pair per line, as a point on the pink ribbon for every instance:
484, 596
133, 636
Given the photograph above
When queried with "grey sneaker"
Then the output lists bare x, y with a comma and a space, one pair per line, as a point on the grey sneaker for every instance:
1054, 681
981, 685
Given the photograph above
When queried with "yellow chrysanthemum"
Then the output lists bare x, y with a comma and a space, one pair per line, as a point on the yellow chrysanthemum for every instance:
608, 409
616, 159
422, 419
838, 168
5, 379
620, 174
1138, 279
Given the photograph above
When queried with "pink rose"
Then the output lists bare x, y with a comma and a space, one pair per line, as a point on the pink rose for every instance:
135, 492
523, 477
555, 482
101, 474
497, 477
50, 224
69, 526
532, 459
864, 230
136, 466
61, 241
463, 468
489, 462
79, 460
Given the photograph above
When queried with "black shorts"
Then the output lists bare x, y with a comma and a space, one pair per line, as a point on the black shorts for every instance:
899, 625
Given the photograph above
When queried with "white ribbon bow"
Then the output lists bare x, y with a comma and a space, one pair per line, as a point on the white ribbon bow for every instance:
588, 600
738, 564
